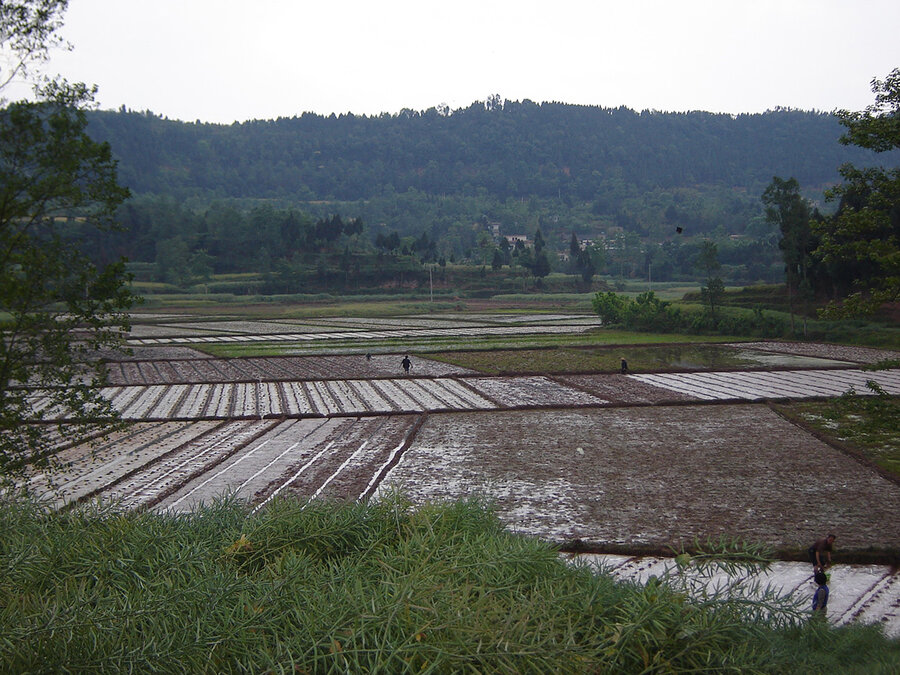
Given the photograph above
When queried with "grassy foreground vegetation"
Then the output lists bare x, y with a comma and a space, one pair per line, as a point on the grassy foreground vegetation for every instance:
354, 588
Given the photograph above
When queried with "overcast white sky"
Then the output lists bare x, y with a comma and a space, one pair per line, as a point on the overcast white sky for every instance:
227, 60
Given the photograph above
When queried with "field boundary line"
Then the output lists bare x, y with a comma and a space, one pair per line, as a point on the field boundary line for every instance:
845, 448
483, 394
142, 467
165, 494
330, 444
393, 459
207, 400
347, 461
858, 607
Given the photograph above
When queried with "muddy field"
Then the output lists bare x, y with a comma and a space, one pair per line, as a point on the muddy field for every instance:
600, 461
291, 397
602, 458
852, 353
175, 370
615, 460
654, 476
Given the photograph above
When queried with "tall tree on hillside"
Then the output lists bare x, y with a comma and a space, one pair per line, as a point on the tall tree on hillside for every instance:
574, 251
787, 209
713, 290
59, 307
538, 241
586, 265
541, 264
863, 237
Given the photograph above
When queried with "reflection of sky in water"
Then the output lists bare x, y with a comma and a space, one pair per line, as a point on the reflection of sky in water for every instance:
769, 359
713, 356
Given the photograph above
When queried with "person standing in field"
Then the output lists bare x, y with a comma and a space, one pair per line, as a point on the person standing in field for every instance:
820, 552
820, 597
624, 366
406, 363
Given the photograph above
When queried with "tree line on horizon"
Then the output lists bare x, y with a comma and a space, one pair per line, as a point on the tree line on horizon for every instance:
507, 149
240, 195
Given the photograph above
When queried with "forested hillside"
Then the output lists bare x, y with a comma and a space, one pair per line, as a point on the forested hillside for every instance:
245, 195
508, 149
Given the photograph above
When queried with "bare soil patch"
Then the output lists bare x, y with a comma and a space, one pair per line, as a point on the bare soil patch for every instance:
653, 476
340, 367
153, 353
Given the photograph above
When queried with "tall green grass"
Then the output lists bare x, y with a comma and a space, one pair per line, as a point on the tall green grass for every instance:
362, 588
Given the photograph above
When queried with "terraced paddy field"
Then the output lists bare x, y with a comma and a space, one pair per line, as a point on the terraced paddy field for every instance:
593, 461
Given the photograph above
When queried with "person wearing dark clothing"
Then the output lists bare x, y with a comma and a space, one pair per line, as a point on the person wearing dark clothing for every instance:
820, 552
406, 363
820, 597
624, 366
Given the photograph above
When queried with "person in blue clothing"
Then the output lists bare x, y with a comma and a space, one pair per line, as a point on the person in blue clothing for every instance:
820, 597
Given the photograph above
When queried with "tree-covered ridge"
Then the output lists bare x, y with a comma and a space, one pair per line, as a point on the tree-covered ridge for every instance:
506, 149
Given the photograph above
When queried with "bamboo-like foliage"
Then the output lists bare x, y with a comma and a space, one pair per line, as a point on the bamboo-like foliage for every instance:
362, 588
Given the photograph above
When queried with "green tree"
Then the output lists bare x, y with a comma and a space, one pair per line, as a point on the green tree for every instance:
586, 266
714, 289
609, 306
863, 237
787, 209
173, 261
28, 30
574, 254
505, 251
201, 265
541, 265
57, 307
538, 241
526, 258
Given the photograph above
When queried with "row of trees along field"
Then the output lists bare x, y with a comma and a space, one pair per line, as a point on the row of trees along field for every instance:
185, 246
853, 255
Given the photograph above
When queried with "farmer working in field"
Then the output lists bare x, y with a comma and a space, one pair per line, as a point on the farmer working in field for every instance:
820, 552
406, 363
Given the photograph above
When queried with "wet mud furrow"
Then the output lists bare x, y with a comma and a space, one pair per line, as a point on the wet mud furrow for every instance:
246, 473
96, 470
146, 486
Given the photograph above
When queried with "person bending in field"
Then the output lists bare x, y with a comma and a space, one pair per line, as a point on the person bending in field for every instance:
820, 597
406, 363
820, 552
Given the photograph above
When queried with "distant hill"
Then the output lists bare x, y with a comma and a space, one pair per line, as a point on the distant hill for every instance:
444, 185
507, 149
